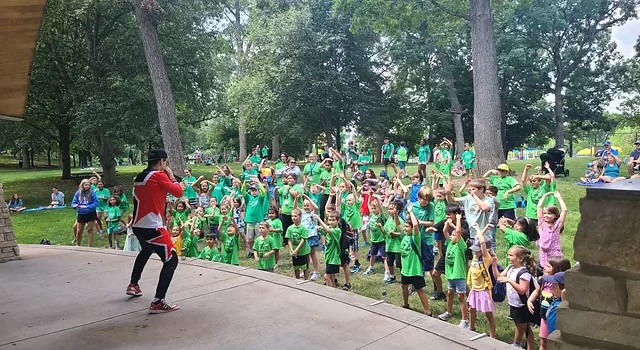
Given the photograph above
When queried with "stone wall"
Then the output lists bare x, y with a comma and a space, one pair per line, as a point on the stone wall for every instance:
602, 306
8, 246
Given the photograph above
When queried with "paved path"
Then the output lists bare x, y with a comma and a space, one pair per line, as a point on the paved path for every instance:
73, 298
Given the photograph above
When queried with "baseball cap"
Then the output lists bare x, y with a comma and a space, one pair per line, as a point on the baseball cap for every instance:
637, 142
555, 278
253, 187
156, 154
607, 143
503, 167
476, 246
590, 164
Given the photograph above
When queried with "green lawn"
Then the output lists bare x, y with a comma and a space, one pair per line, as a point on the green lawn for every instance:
35, 187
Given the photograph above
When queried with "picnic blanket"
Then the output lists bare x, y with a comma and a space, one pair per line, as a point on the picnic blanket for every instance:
31, 210
590, 184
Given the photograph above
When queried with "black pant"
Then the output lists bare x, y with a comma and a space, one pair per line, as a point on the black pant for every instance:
155, 241
323, 202
286, 222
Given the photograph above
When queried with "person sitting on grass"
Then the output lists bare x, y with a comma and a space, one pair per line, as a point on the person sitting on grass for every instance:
591, 175
456, 270
611, 169
412, 273
57, 198
15, 204
264, 249
210, 251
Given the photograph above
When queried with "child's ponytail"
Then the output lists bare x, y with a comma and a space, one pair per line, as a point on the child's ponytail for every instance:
530, 263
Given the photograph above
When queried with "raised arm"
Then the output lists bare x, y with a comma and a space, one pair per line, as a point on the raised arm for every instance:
489, 173
541, 202
563, 208
457, 232
525, 173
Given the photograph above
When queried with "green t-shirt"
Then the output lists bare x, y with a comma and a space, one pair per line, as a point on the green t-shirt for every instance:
376, 233
440, 207
211, 254
219, 190
230, 245
279, 165
287, 199
124, 203
189, 192
265, 152
403, 154
113, 214
364, 159
264, 245
423, 153
455, 261
332, 244
387, 150
411, 264
351, 214
276, 224
425, 214
533, 198
296, 234
255, 159
103, 196
254, 211
338, 166
313, 170
178, 216
224, 224
393, 243
315, 197
445, 153
325, 181
248, 174
514, 237
446, 171
504, 184
551, 200
468, 157
214, 215
190, 244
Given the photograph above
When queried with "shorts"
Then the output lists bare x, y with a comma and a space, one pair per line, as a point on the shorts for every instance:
213, 229
394, 257
300, 261
507, 213
113, 228
459, 286
469, 166
417, 281
88, 217
519, 314
387, 161
440, 265
544, 329
378, 249
332, 269
272, 192
402, 164
314, 241
365, 223
345, 259
353, 242
251, 231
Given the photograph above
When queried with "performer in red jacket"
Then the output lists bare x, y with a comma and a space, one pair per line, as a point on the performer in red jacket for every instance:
149, 200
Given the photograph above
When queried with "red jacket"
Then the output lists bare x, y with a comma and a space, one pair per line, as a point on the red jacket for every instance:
149, 198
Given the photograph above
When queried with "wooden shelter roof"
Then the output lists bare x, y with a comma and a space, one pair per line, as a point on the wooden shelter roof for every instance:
20, 22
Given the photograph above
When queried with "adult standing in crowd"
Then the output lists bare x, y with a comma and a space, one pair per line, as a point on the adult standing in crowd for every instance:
149, 201
388, 149
424, 153
290, 168
85, 201
634, 160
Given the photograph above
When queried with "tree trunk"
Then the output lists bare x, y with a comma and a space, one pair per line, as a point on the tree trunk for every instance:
486, 92
160, 81
456, 107
275, 147
238, 45
49, 156
242, 134
107, 161
379, 142
503, 115
328, 132
557, 110
65, 156
338, 144
24, 156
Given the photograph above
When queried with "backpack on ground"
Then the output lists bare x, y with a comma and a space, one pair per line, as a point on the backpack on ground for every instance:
425, 254
535, 317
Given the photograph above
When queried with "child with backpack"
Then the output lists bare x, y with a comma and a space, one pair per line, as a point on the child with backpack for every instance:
479, 282
519, 277
544, 294
456, 270
412, 271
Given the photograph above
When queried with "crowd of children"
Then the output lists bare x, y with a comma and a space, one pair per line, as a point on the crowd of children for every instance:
422, 228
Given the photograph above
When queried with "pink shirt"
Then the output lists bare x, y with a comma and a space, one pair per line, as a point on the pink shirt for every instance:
549, 241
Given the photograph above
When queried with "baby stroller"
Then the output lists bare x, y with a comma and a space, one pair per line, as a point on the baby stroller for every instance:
555, 157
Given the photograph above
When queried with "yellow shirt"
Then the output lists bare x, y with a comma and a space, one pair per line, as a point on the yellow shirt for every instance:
478, 275
177, 244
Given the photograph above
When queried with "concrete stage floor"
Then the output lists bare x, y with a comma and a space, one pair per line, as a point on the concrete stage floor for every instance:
73, 298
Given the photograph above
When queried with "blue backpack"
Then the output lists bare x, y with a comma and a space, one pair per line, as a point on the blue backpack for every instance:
498, 289
425, 254
521, 202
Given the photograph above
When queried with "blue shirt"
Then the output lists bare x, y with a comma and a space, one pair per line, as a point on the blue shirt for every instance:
58, 198
413, 197
612, 170
552, 315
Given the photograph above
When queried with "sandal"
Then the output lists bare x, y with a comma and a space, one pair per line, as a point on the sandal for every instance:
406, 306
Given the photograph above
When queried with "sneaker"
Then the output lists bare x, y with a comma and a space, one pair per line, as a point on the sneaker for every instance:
355, 268
134, 290
438, 296
161, 306
314, 275
368, 271
444, 316
346, 287
464, 324
390, 280
250, 255
301, 274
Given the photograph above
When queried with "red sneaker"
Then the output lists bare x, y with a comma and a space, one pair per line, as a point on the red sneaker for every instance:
161, 307
134, 290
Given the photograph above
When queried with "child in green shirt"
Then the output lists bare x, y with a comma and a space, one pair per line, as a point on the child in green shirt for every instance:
412, 272
231, 244
297, 237
103, 195
469, 160
456, 270
264, 249
113, 217
392, 230
377, 218
210, 251
275, 231
332, 234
